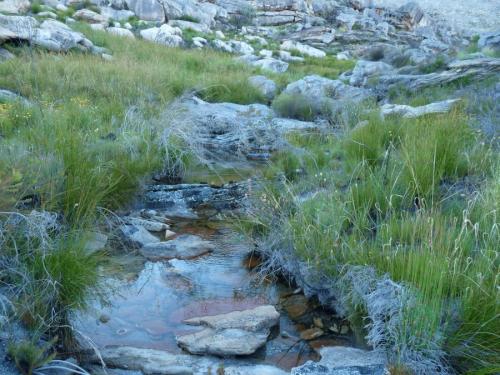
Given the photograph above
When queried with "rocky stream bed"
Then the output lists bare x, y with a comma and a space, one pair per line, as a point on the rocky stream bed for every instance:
186, 298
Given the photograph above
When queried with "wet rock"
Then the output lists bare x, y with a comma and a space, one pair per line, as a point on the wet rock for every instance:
296, 306
136, 236
311, 334
150, 225
265, 85
253, 370
257, 319
407, 111
227, 342
235, 333
150, 361
344, 361
186, 246
290, 45
181, 200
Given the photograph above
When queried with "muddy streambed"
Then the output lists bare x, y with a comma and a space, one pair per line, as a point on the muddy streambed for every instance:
147, 302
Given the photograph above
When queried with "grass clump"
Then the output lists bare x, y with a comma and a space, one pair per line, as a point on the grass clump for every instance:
294, 106
28, 356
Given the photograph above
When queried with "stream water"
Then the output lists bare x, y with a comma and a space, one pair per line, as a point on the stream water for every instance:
150, 300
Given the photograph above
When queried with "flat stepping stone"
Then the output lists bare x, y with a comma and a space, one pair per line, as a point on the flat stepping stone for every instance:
234, 333
186, 246
226, 342
259, 318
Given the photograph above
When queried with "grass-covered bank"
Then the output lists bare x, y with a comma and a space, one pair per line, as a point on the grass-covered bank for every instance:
83, 145
415, 200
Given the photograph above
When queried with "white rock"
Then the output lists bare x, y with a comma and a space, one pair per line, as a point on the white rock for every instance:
61, 7
343, 55
287, 56
222, 46
90, 16
366, 69
118, 31
199, 42
266, 53
97, 26
241, 48
14, 6
47, 14
272, 65
291, 45
407, 111
219, 34
265, 85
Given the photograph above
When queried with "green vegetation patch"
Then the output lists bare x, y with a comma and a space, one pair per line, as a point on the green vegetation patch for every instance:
418, 200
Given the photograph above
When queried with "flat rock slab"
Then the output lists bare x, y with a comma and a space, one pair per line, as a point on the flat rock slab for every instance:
259, 318
186, 246
234, 333
344, 361
225, 342
407, 111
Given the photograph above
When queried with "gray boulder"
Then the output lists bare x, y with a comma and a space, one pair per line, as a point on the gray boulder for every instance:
5, 55
148, 10
325, 95
136, 236
119, 31
367, 69
265, 85
14, 6
304, 49
271, 64
165, 34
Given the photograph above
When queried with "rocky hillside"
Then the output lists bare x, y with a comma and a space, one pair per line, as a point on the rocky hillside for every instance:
353, 145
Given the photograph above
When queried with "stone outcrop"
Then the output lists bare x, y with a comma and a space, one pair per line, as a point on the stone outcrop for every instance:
407, 111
